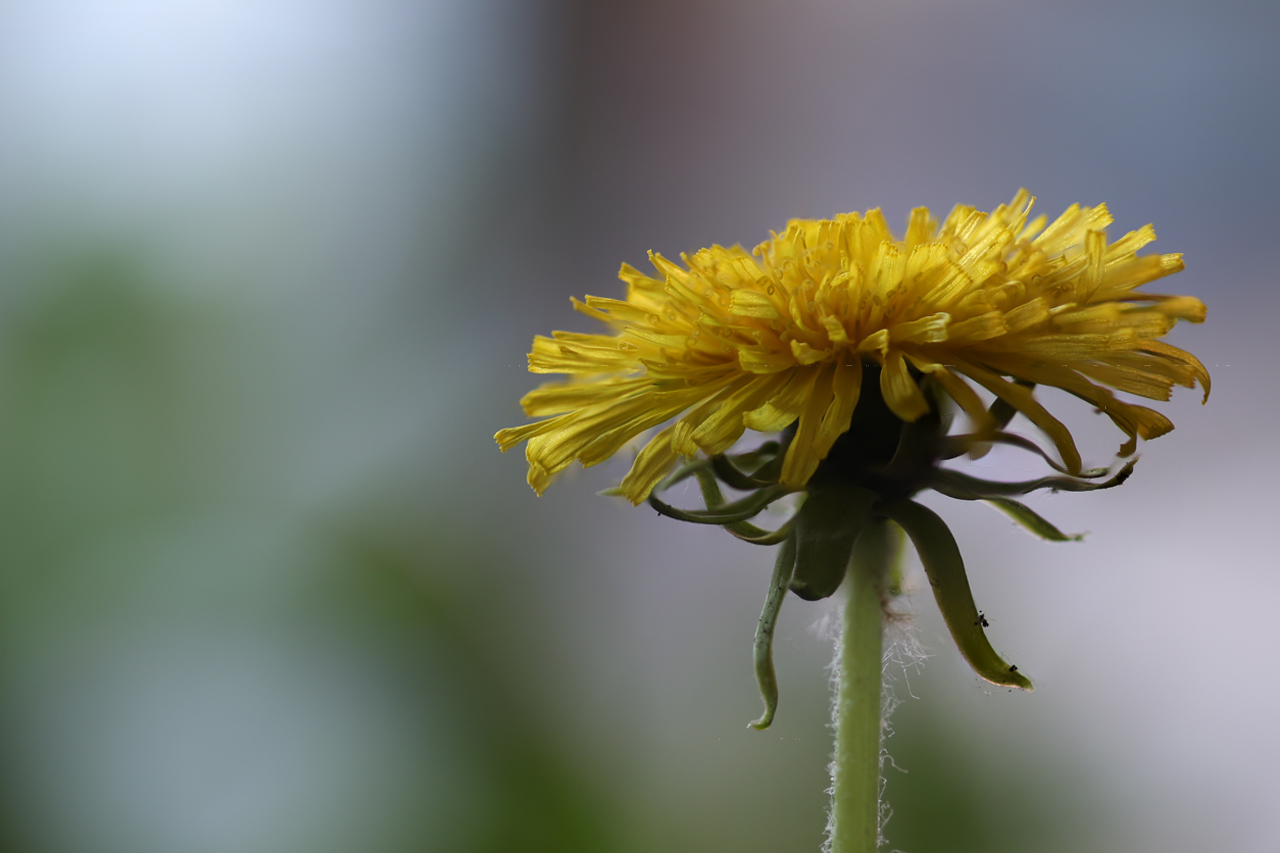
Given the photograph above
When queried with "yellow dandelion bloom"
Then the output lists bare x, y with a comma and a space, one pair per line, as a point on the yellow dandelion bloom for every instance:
732, 340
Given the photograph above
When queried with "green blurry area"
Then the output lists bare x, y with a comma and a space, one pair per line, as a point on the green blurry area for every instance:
963, 789
192, 659
139, 513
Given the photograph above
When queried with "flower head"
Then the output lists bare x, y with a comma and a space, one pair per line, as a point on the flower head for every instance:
849, 343
778, 339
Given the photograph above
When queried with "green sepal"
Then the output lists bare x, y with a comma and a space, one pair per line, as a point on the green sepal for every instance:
757, 457
734, 478
710, 488
747, 465
963, 487
945, 567
827, 526
683, 473
744, 530
1032, 520
958, 445
740, 510
748, 532
764, 463
763, 648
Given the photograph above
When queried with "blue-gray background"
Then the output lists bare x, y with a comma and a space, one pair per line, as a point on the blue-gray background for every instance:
268, 272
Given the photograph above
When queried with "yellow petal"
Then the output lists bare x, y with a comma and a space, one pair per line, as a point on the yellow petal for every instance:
726, 424
653, 463
661, 407
901, 393
785, 405
1136, 421
932, 329
751, 303
554, 398
1026, 316
877, 342
805, 354
802, 454
965, 397
682, 434
846, 387
980, 328
1181, 357
1022, 400
762, 359
1153, 386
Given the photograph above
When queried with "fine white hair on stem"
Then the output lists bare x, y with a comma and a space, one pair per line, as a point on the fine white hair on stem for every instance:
828, 627
902, 655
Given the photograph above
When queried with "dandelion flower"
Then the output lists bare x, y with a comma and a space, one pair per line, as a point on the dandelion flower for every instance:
781, 338
854, 345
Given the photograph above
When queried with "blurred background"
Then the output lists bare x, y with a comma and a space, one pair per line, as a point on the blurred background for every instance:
268, 273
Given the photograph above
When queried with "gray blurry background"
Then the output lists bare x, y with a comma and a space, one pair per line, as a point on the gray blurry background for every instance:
268, 272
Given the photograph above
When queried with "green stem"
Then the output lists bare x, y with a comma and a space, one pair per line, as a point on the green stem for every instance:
855, 773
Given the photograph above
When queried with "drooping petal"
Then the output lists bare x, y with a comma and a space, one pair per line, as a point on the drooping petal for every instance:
724, 426
786, 404
901, 393
653, 463
802, 455
1020, 398
959, 391
846, 385
682, 438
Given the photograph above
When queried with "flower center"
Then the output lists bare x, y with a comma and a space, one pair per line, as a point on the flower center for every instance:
880, 451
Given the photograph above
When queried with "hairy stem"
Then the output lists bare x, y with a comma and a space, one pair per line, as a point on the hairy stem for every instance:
855, 772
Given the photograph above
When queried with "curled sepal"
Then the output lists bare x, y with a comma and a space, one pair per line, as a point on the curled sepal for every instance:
763, 649
740, 510
734, 478
753, 459
744, 530
711, 495
1032, 520
748, 532
953, 484
945, 567
827, 526
680, 475
763, 463
958, 445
